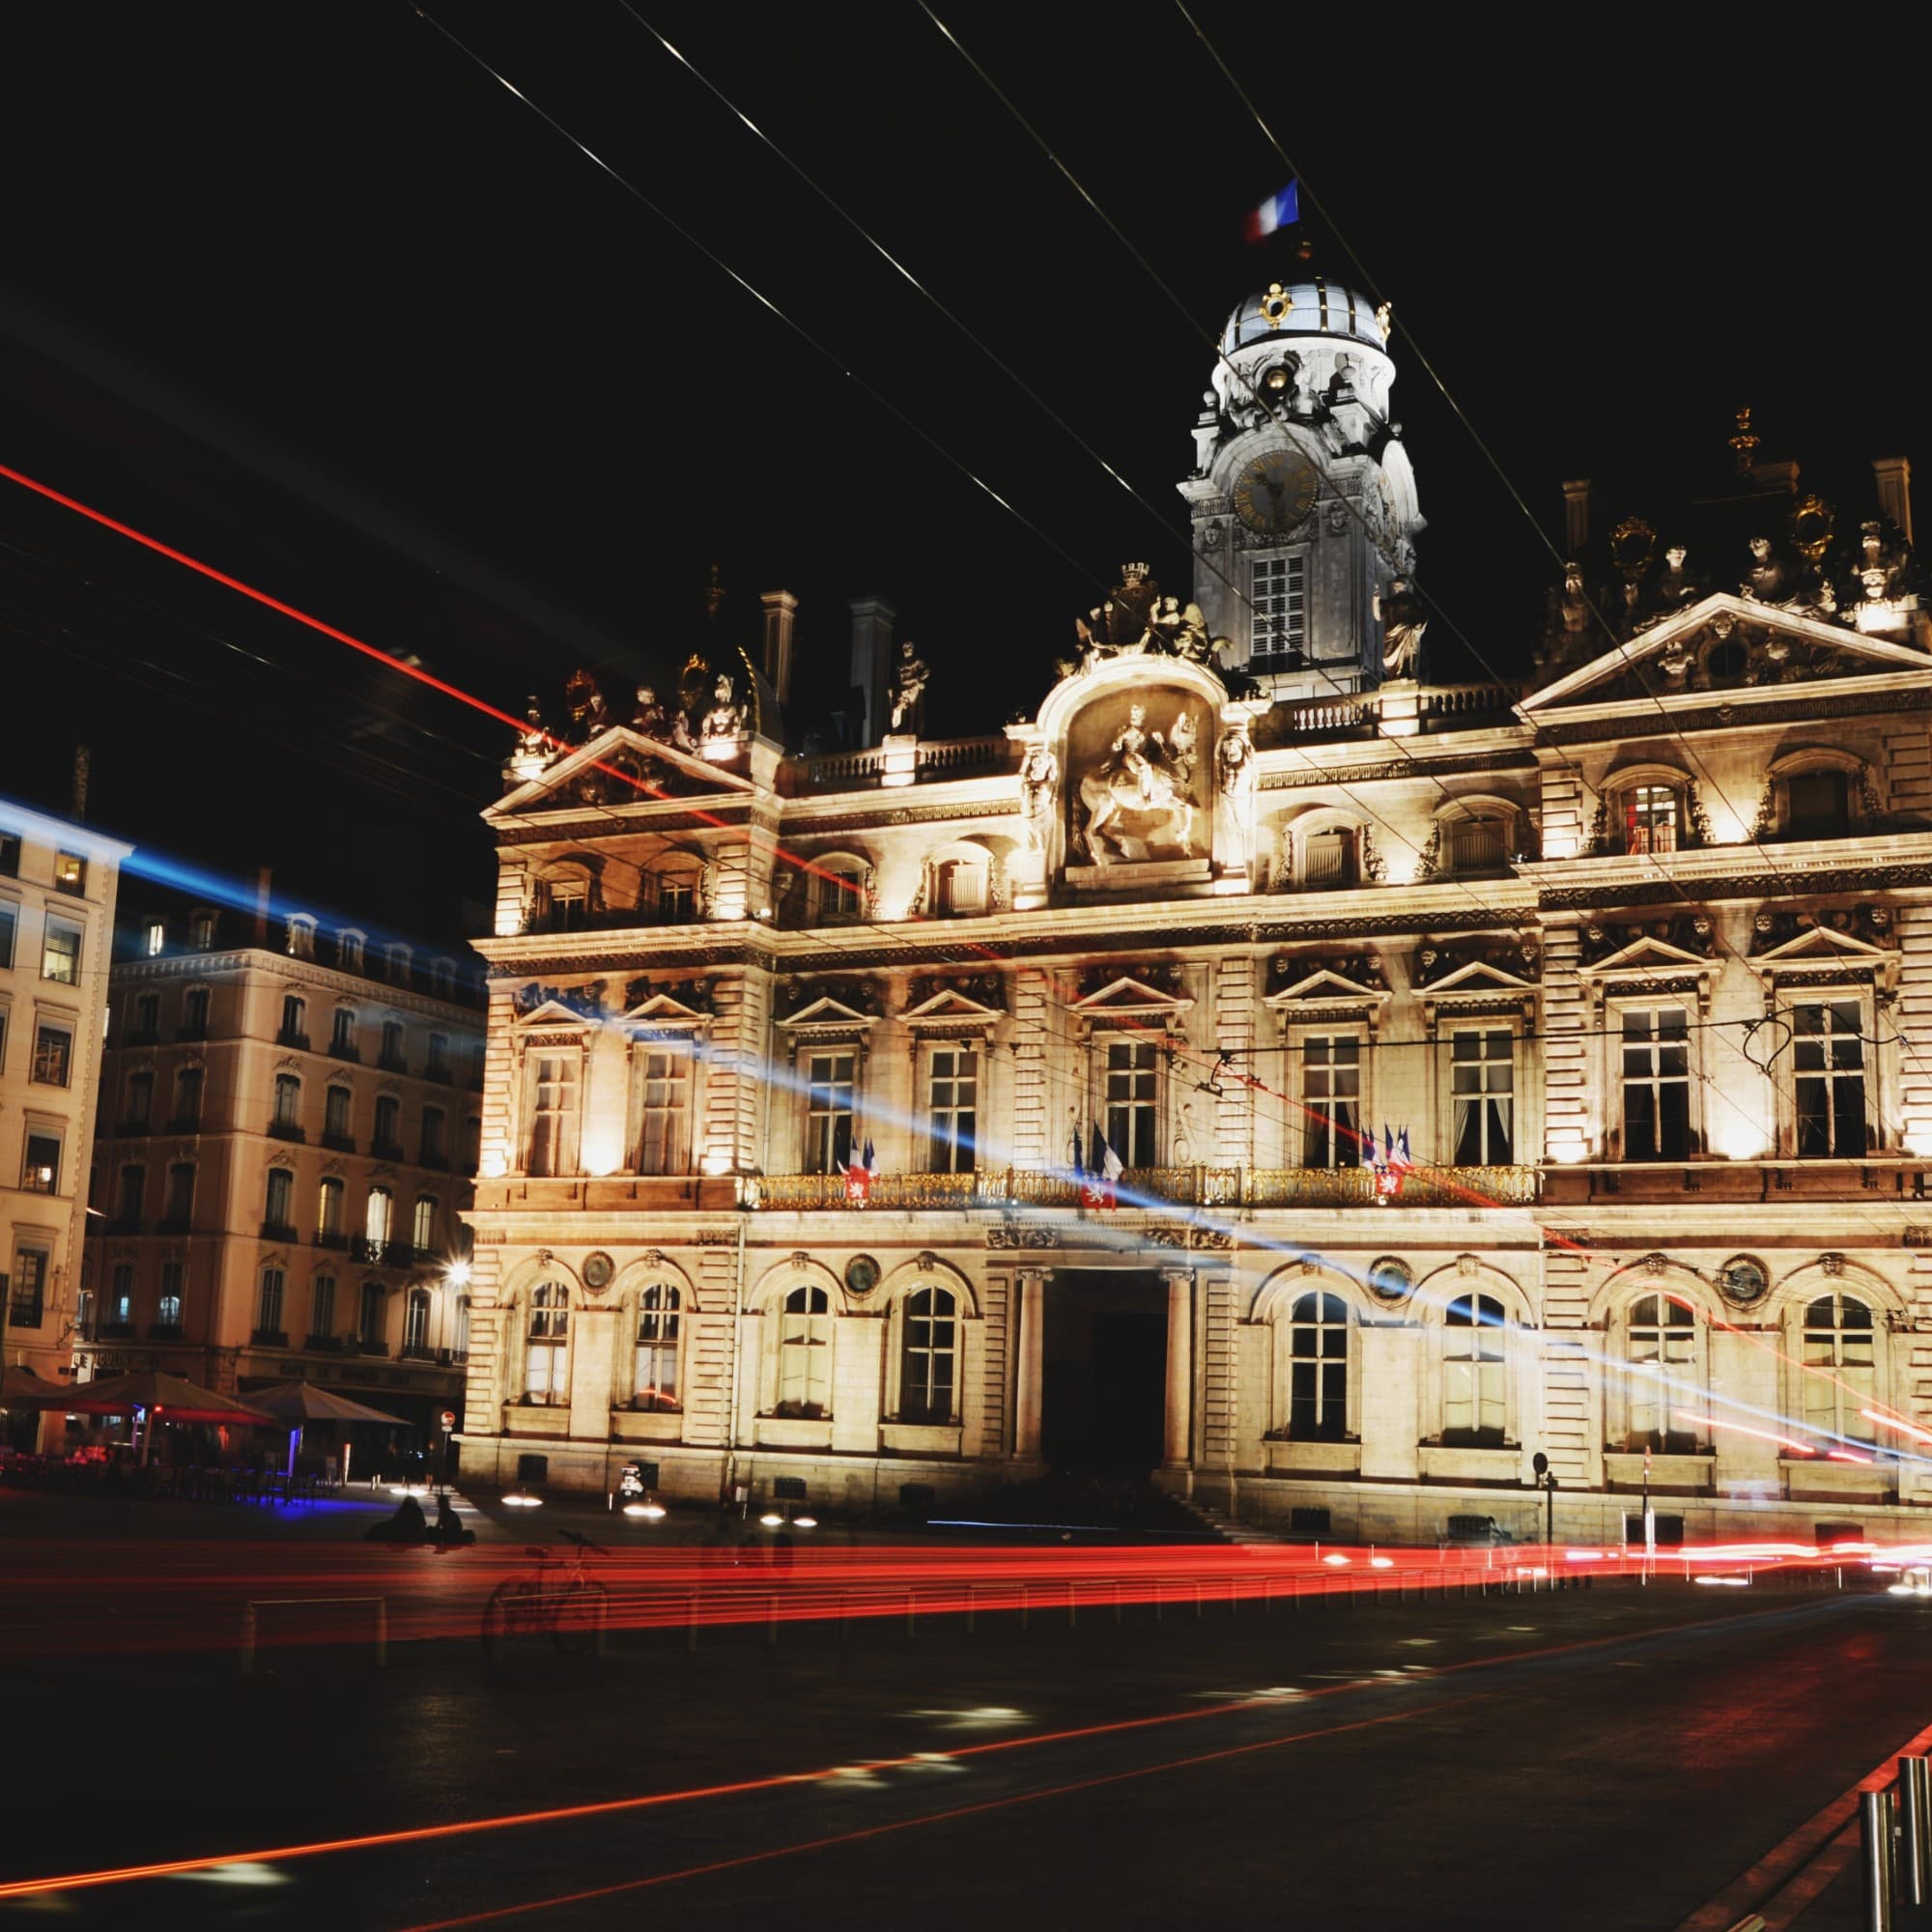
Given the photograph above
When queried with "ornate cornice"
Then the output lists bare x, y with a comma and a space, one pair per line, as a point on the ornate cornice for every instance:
1874, 877
598, 827
1734, 716
1303, 776
905, 815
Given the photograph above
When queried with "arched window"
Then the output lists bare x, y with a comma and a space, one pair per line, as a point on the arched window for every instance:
1660, 1349
959, 884
423, 1231
1475, 1391
1647, 816
834, 892
547, 1345
929, 1356
1318, 1368
379, 1218
657, 1324
1840, 1362
1817, 804
416, 1323
1475, 841
348, 950
805, 1353
678, 893
1329, 858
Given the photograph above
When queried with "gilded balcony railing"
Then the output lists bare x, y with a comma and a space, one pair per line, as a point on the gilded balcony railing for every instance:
1230, 1187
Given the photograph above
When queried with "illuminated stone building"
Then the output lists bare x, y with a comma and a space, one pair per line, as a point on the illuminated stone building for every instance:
57, 881
1635, 960
288, 1124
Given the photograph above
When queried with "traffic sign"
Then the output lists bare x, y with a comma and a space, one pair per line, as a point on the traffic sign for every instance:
449, 1418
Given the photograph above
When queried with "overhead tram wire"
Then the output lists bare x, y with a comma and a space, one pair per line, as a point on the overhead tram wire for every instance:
1632, 661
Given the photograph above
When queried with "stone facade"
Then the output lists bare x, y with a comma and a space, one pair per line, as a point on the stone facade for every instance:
1495, 1072
58, 882
288, 1121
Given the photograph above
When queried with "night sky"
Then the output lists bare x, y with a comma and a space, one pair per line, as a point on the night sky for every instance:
301, 290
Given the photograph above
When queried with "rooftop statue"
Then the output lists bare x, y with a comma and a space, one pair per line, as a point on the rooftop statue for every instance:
724, 721
1403, 626
589, 715
651, 720
910, 677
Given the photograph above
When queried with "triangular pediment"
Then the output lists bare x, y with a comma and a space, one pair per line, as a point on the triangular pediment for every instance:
1478, 975
1127, 997
662, 1010
829, 1011
1726, 645
553, 1013
622, 767
1325, 986
1650, 954
1823, 947
950, 1004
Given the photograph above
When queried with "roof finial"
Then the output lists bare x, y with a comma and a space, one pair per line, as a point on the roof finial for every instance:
1745, 442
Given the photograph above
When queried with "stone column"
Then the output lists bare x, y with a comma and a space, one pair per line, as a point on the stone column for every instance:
1030, 1366
1176, 1436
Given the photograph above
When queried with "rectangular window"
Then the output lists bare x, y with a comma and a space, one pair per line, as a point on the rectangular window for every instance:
1329, 858
294, 1016
1280, 609
1827, 1061
342, 1041
201, 931
60, 952
154, 938
277, 1200
40, 1170
377, 1216
1817, 806
1662, 1373
829, 1102
373, 1322
132, 1197
1482, 1076
1650, 818
195, 1013
10, 920
678, 901
1331, 1100
26, 1298
422, 1233
392, 1047
188, 1100
1656, 1073
140, 1113
269, 1313
180, 1209
663, 1117
70, 873
552, 1078
953, 1110
387, 1139
10, 855
168, 1310
147, 1018
53, 1056
335, 1120
121, 1296
322, 1308
436, 1066
434, 1152
1476, 845
1133, 1103
288, 1101
328, 1209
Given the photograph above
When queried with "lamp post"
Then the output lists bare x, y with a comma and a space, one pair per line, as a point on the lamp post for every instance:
1546, 1478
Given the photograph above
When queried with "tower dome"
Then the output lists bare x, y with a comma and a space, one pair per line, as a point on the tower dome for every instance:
1312, 308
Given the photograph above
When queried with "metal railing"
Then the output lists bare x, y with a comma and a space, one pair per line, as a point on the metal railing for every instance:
1198, 1186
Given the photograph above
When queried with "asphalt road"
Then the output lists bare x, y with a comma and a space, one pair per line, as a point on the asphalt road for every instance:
1609, 1759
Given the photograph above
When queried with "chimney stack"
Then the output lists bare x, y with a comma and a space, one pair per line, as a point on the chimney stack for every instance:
781, 607
1575, 515
871, 661
1895, 491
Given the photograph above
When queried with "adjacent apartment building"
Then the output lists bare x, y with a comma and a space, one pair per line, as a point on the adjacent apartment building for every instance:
1261, 1067
57, 881
288, 1124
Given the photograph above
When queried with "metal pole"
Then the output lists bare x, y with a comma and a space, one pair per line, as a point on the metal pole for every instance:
1875, 1858
1915, 1809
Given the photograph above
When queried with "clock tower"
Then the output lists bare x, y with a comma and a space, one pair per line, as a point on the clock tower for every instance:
1304, 500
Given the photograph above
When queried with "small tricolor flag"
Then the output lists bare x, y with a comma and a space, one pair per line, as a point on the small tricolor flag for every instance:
1278, 211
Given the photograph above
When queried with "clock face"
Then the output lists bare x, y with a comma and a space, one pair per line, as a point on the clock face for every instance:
1275, 492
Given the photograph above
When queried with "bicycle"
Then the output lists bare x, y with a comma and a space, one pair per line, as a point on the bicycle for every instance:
556, 1597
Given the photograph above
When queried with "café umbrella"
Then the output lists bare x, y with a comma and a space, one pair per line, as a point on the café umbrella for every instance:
296, 1405
161, 1396
18, 1382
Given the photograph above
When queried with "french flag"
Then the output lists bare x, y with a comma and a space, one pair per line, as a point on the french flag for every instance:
1278, 211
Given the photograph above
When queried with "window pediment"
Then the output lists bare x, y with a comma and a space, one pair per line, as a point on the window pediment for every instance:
662, 1013
553, 1023
1127, 997
1858, 938
1310, 987
948, 1009
1650, 946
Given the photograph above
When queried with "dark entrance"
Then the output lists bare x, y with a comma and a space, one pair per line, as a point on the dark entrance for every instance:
1104, 1389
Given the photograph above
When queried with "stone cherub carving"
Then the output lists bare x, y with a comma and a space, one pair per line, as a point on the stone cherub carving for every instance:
910, 677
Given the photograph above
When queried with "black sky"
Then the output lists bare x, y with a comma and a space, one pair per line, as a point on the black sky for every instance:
299, 288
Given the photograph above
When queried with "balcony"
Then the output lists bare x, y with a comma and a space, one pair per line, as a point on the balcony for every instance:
435, 1158
417, 1351
175, 1224
330, 1237
147, 1035
287, 1130
292, 1036
322, 1344
1229, 1188
404, 1254
366, 1346
128, 1130
933, 762
1887, 1176
363, 1250
386, 1151
338, 1143
126, 1224
183, 1035
344, 1049
164, 1331
116, 1331
392, 1063
1447, 707
185, 1124
279, 1230
269, 1338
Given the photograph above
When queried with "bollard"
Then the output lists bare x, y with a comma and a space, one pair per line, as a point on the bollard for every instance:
1915, 1816
1875, 1858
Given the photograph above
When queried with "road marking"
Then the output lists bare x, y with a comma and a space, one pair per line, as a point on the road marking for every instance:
1781, 1877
